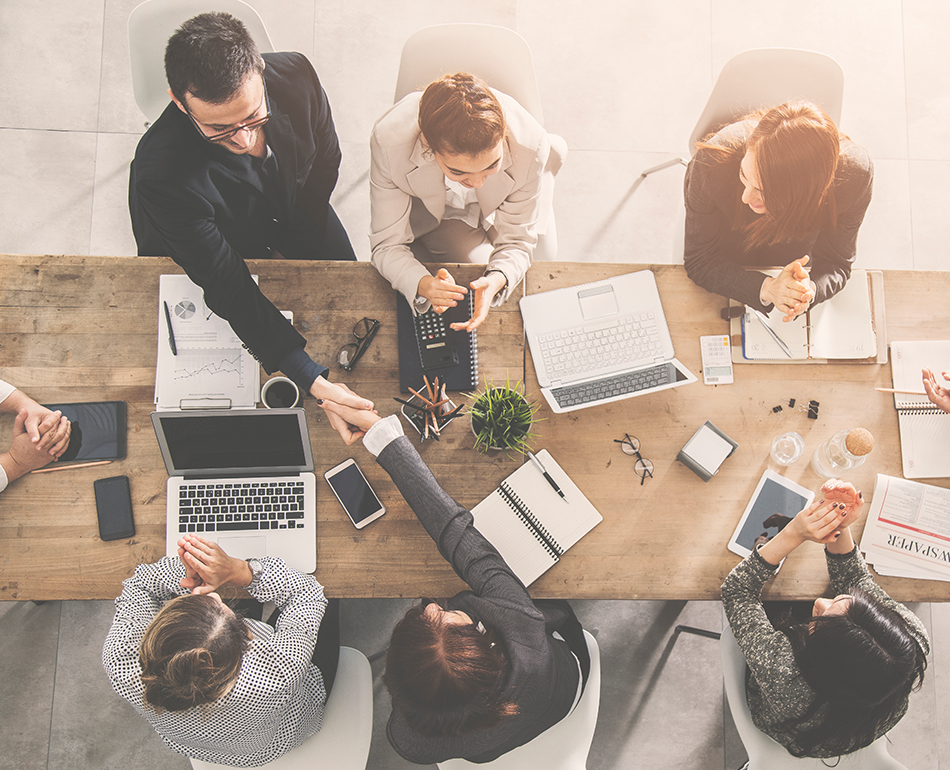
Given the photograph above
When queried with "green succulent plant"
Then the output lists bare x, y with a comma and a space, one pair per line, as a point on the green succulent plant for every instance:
502, 417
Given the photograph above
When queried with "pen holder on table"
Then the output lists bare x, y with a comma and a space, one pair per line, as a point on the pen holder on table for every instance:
416, 419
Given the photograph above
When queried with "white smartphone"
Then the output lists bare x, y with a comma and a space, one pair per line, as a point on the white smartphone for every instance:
354, 493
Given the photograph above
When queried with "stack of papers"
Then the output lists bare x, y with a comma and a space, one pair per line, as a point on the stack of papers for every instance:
908, 530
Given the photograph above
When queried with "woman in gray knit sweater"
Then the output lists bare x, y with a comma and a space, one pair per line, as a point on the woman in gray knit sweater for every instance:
834, 684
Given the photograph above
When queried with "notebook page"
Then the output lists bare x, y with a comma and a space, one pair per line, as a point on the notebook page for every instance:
516, 543
758, 345
908, 358
841, 327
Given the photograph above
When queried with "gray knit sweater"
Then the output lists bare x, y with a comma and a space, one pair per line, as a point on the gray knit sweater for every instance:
775, 688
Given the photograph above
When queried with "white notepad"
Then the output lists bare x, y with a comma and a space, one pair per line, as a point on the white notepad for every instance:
529, 523
924, 428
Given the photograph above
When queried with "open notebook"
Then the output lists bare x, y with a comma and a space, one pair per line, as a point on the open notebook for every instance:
924, 428
529, 523
840, 328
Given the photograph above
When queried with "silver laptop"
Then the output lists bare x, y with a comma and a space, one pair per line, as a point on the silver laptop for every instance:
243, 478
601, 342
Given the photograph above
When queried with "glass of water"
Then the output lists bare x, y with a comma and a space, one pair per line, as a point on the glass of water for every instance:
787, 448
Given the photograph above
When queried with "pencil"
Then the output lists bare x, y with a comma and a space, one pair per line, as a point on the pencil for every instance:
52, 468
905, 392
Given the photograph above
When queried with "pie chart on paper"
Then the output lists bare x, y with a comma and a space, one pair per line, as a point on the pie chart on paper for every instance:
185, 309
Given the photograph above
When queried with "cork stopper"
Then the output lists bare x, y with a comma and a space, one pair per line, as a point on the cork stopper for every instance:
859, 442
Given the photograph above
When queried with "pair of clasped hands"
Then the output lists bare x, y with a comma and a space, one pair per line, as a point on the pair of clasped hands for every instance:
791, 291
826, 521
442, 291
40, 436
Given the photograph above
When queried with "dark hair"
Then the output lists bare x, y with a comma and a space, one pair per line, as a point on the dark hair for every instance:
444, 678
797, 148
211, 56
862, 666
459, 115
191, 653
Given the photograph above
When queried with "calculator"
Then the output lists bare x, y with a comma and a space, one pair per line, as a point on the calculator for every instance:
717, 359
436, 341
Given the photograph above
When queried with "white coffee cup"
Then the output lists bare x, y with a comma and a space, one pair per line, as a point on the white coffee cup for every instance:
280, 393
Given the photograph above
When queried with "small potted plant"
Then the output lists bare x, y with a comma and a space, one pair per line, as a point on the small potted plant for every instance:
502, 417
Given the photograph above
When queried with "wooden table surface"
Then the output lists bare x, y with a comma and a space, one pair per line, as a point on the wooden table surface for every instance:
86, 329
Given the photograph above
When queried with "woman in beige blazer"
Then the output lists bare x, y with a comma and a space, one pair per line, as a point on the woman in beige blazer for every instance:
461, 169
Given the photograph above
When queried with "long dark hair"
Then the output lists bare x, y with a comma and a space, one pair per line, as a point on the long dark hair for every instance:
444, 678
862, 666
191, 653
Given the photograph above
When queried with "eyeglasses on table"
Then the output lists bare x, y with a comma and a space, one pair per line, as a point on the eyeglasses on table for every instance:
352, 352
631, 447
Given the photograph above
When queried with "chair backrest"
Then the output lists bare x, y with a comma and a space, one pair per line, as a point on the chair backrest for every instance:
766, 754
150, 26
765, 77
498, 55
563, 746
343, 741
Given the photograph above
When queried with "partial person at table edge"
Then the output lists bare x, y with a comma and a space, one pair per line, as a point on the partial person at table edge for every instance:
40, 436
241, 165
459, 173
939, 395
213, 684
782, 187
838, 679
508, 678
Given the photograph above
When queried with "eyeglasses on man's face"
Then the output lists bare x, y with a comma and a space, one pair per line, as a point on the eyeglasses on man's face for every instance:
350, 353
631, 447
252, 124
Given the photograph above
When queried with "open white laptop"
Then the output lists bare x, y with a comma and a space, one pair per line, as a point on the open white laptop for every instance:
242, 478
601, 342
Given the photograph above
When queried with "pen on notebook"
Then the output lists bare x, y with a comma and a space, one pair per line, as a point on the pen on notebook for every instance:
52, 468
171, 334
551, 481
905, 392
765, 322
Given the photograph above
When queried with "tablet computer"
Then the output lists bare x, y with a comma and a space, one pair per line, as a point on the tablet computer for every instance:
774, 503
98, 430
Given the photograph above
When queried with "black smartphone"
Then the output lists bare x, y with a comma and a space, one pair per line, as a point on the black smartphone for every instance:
98, 430
114, 508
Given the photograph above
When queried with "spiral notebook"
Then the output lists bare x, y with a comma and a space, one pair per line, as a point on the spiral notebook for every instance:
924, 428
462, 376
529, 523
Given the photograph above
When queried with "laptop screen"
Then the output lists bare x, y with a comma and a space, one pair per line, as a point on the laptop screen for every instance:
245, 442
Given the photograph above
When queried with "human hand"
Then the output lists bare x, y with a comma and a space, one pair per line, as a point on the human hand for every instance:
208, 567
838, 491
350, 423
51, 433
441, 290
823, 521
938, 394
485, 289
791, 291
337, 391
24, 455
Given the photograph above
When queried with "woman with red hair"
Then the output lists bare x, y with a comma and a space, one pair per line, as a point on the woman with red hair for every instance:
780, 188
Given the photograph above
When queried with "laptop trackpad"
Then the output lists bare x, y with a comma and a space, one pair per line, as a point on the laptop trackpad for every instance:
597, 302
244, 547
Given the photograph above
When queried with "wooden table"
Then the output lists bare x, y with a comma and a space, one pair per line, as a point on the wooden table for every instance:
85, 328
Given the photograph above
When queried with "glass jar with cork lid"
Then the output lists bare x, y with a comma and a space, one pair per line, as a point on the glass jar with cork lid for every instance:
845, 450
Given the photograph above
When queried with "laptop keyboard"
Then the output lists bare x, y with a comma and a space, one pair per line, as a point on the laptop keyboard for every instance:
240, 506
579, 351
620, 385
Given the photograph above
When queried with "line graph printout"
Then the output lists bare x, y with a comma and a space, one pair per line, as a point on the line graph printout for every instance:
211, 368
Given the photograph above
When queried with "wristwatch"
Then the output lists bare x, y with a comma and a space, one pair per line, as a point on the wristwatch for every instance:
256, 570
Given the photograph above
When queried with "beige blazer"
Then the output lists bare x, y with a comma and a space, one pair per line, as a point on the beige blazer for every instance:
407, 195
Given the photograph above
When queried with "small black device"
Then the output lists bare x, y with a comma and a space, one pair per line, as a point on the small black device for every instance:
98, 430
436, 341
354, 493
114, 508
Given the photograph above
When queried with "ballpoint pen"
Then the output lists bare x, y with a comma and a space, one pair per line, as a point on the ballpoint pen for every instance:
551, 481
765, 322
171, 334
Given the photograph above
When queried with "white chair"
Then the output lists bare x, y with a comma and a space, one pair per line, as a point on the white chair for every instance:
766, 754
150, 26
343, 741
765, 77
563, 746
500, 57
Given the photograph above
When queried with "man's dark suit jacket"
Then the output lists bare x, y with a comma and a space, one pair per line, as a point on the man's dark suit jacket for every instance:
541, 675
203, 206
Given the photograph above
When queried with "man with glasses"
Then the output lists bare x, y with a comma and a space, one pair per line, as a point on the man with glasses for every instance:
240, 166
